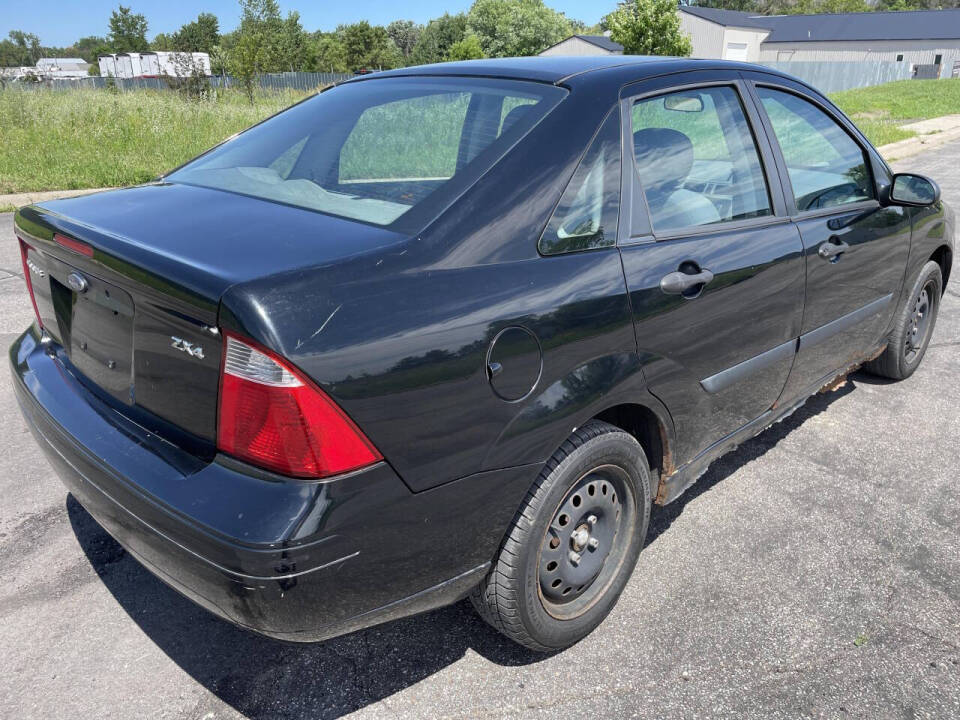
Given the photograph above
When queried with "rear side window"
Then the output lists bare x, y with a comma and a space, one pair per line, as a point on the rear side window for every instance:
423, 146
826, 166
586, 217
388, 151
697, 160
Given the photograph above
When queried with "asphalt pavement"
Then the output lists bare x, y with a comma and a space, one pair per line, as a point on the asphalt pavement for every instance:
814, 572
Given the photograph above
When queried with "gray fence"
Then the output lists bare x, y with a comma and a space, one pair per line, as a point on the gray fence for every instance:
832, 76
826, 76
273, 81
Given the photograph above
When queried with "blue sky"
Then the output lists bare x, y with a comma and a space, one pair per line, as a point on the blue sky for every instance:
60, 22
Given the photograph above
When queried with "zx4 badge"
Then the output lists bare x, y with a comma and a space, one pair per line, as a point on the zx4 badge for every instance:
187, 347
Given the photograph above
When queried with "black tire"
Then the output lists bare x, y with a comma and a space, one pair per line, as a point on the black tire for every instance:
916, 318
599, 480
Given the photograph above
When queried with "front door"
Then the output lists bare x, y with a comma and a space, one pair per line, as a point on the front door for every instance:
714, 267
855, 250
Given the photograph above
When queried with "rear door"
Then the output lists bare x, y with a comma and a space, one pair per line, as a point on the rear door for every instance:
855, 251
712, 262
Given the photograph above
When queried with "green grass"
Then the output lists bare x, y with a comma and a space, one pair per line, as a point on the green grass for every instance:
881, 132
62, 140
53, 140
879, 111
7, 208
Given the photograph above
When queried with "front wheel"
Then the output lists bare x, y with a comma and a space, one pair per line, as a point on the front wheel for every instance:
573, 544
913, 328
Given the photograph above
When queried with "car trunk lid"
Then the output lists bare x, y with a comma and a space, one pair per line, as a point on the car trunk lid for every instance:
129, 283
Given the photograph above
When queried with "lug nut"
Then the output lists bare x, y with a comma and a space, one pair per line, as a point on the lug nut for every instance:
574, 557
592, 519
593, 543
579, 538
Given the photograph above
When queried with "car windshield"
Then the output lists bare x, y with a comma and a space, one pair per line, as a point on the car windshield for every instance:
388, 151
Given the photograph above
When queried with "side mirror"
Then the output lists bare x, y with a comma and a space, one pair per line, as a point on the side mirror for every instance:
913, 190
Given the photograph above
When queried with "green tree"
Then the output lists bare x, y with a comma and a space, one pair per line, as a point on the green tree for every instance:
245, 60
436, 39
128, 31
294, 50
201, 35
467, 49
809, 7
741, 5
219, 60
404, 34
368, 46
329, 53
259, 35
510, 28
89, 49
648, 27
259, 13
27, 47
161, 41
274, 44
916, 4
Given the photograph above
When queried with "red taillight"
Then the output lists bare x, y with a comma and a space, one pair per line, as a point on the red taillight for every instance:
27, 272
71, 244
272, 416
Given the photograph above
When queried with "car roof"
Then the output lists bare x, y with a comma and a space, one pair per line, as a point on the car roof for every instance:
556, 69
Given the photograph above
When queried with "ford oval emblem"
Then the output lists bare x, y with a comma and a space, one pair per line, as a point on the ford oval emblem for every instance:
77, 282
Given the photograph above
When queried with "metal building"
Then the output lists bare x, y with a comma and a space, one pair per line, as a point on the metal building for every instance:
916, 37
62, 67
585, 45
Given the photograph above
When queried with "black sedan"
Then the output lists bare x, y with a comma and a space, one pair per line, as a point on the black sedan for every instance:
451, 330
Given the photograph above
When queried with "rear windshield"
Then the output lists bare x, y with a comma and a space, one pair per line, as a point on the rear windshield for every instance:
390, 151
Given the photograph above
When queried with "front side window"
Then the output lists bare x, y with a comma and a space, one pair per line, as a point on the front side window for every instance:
387, 151
826, 166
697, 160
586, 217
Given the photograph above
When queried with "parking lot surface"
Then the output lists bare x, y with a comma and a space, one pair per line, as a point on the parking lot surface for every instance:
814, 572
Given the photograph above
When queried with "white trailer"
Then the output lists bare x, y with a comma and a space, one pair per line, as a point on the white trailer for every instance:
173, 64
201, 59
108, 65
128, 65
150, 64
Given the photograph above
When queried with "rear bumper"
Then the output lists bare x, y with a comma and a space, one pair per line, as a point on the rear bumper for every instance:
293, 560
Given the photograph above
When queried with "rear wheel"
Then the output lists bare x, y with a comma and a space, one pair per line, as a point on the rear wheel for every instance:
913, 328
573, 544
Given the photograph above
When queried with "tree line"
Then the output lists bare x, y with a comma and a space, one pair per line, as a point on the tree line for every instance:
274, 43
268, 42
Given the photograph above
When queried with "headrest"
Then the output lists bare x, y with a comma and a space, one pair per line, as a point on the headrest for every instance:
515, 116
664, 158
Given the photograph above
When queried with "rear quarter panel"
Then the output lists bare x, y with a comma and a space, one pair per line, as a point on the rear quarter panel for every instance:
405, 356
399, 337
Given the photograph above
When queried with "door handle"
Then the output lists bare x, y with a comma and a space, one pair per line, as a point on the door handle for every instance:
832, 249
677, 283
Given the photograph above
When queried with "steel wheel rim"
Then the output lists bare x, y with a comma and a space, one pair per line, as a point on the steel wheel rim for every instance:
586, 541
918, 327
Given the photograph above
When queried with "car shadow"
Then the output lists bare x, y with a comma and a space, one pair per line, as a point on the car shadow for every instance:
662, 517
264, 678
261, 678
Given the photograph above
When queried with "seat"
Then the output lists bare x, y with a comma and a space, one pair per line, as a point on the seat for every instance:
515, 116
664, 159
